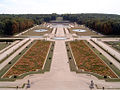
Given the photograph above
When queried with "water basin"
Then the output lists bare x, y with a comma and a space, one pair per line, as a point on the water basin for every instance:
40, 30
79, 30
59, 38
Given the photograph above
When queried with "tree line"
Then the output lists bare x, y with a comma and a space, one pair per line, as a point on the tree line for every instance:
108, 24
11, 24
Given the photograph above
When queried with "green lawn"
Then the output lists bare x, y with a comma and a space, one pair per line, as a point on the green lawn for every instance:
87, 33
33, 33
114, 44
3, 45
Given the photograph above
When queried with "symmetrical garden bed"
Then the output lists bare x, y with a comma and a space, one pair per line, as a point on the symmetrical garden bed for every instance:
32, 60
88, 61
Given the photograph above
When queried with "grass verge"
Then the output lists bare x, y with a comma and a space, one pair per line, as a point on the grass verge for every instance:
106, 51
13, 52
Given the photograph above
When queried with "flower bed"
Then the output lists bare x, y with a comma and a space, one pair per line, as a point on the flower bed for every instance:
87, 60
32, 60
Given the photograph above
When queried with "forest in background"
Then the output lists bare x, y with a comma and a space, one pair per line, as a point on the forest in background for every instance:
11, 24
107, 24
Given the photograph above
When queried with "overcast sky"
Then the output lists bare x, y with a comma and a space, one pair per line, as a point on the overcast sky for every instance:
59, 6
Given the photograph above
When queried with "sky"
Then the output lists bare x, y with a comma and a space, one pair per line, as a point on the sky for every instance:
59, 6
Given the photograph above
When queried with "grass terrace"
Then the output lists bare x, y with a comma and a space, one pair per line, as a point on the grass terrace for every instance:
88, 32
32, 60
114, 44
33, 33
4, 45
88, 61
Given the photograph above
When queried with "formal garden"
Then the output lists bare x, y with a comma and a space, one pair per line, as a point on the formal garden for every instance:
38, 31
82, 31
33, 60
86, 60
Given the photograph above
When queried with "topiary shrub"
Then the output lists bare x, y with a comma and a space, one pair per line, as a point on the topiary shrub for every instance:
70, 58
111, 63
14, 76
9, 63
20, 53
51, 50
105, 77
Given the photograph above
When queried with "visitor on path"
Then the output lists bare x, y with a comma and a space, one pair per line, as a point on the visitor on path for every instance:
28, 84
91, 85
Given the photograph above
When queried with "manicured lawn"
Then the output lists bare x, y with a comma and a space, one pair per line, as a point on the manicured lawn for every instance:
114, 44
87, 33
33, 33
3, 45
87, 60
32, 60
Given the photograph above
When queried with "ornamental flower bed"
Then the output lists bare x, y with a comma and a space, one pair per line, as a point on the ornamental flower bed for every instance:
32, 60
87, 60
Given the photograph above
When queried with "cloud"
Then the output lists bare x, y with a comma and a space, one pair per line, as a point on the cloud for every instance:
2, 5
60, 6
